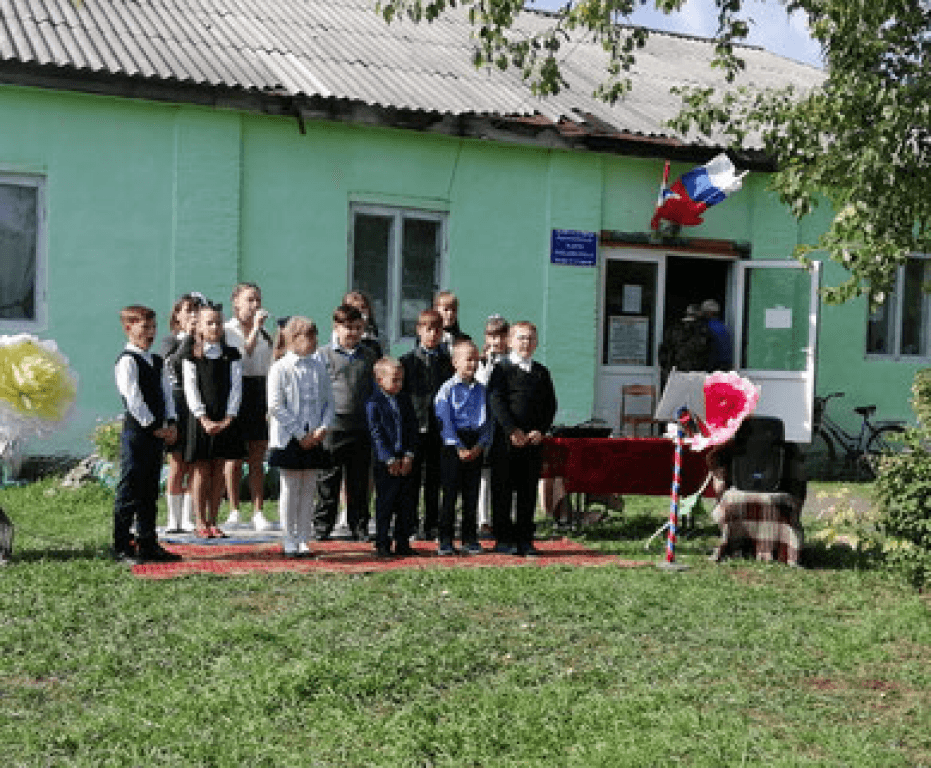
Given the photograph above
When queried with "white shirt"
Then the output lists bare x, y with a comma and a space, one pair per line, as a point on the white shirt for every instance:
524, 363
300, 398
485, 367
127, 382
195, 403
256, 364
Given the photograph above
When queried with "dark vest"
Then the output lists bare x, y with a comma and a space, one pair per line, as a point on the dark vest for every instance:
150, 384
214, 380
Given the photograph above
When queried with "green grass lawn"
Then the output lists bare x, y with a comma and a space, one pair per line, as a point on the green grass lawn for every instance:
737, 663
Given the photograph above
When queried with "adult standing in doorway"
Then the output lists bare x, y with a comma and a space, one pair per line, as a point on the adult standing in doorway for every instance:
722, 347
686, 345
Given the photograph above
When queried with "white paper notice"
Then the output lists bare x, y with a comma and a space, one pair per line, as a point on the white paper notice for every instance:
632, 299
778, 317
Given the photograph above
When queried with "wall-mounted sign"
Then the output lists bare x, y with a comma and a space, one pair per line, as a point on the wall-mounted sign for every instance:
778, 317
632, 303
569, 246
627, 340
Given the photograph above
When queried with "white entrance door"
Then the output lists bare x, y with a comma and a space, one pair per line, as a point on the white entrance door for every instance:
775, 306
630, 313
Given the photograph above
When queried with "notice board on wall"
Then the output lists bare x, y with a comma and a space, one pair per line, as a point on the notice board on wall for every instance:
628, 339
573, 247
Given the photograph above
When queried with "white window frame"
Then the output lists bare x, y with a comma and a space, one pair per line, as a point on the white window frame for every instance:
40, 319
392, 331
895, 304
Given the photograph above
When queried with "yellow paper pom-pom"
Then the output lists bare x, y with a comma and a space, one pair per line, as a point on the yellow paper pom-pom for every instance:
37, 387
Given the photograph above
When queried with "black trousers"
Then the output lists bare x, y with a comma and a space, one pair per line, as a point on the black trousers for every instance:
427, 473
514, 471
352, 458
395, 504
141, 455
459, 478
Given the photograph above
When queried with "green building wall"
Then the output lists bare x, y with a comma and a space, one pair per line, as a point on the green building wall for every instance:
148, 200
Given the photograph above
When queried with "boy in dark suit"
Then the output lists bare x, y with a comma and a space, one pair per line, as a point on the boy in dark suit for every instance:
523, 402
426, 368
149, 422
394, 431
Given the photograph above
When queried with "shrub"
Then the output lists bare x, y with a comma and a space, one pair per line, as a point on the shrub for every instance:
106, 439
903, 493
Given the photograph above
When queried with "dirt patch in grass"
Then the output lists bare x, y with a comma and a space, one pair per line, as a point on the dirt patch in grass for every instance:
824, 501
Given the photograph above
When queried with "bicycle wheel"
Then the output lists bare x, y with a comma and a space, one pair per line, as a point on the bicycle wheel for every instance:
884, 441
820, 456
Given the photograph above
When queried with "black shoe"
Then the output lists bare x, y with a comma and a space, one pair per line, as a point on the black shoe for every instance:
404, 550
382, 551
361, 533
324, 534
528, 550
126, 556
156, 553
432, 534
502, 548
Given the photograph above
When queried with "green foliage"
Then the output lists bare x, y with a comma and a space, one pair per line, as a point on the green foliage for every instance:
850, 524
106, 439
858, 142
862, 141
903, 491
921, 398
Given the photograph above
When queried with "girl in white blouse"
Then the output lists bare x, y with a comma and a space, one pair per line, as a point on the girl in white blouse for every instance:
245, 332
300, 411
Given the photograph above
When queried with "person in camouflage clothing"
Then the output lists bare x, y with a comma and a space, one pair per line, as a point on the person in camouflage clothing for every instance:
686, 345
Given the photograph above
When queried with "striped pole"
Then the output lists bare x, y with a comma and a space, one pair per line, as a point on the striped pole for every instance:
674, 496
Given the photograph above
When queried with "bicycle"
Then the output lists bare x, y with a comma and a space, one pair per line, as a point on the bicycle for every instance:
860, 450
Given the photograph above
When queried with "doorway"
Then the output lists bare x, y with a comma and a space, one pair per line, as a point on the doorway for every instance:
692, 280
770, 306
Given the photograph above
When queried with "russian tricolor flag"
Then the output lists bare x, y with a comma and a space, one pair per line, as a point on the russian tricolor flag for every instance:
693, 192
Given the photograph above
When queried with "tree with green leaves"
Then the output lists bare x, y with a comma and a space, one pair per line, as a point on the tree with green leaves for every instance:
860, 143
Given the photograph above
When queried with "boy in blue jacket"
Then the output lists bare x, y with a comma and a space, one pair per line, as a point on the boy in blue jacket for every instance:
395, 432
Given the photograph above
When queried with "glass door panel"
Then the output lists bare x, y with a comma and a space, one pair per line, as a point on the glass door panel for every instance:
777, 307
629, 314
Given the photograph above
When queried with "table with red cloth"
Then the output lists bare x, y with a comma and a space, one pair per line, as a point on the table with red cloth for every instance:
628, 465
772, 521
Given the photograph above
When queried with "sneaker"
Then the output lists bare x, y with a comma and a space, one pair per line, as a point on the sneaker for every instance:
361, 533
472, 548
303, 550
233, 520
445, 549
289, 546
505, 549
259, 522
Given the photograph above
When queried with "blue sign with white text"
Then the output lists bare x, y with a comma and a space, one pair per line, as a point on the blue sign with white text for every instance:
569, 246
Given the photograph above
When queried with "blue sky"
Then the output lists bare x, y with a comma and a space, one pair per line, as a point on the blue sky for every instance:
772, 28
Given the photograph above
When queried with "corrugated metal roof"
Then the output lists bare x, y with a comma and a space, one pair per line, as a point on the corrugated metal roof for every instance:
342, 49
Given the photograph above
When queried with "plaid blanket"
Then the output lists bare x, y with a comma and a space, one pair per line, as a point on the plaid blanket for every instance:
770, 520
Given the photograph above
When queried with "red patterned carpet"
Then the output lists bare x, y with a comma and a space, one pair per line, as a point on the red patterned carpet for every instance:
357, 557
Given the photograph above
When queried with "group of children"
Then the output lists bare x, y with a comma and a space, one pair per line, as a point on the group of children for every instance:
442, 418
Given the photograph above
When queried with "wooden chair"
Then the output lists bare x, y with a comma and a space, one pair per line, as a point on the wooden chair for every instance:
637, 393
